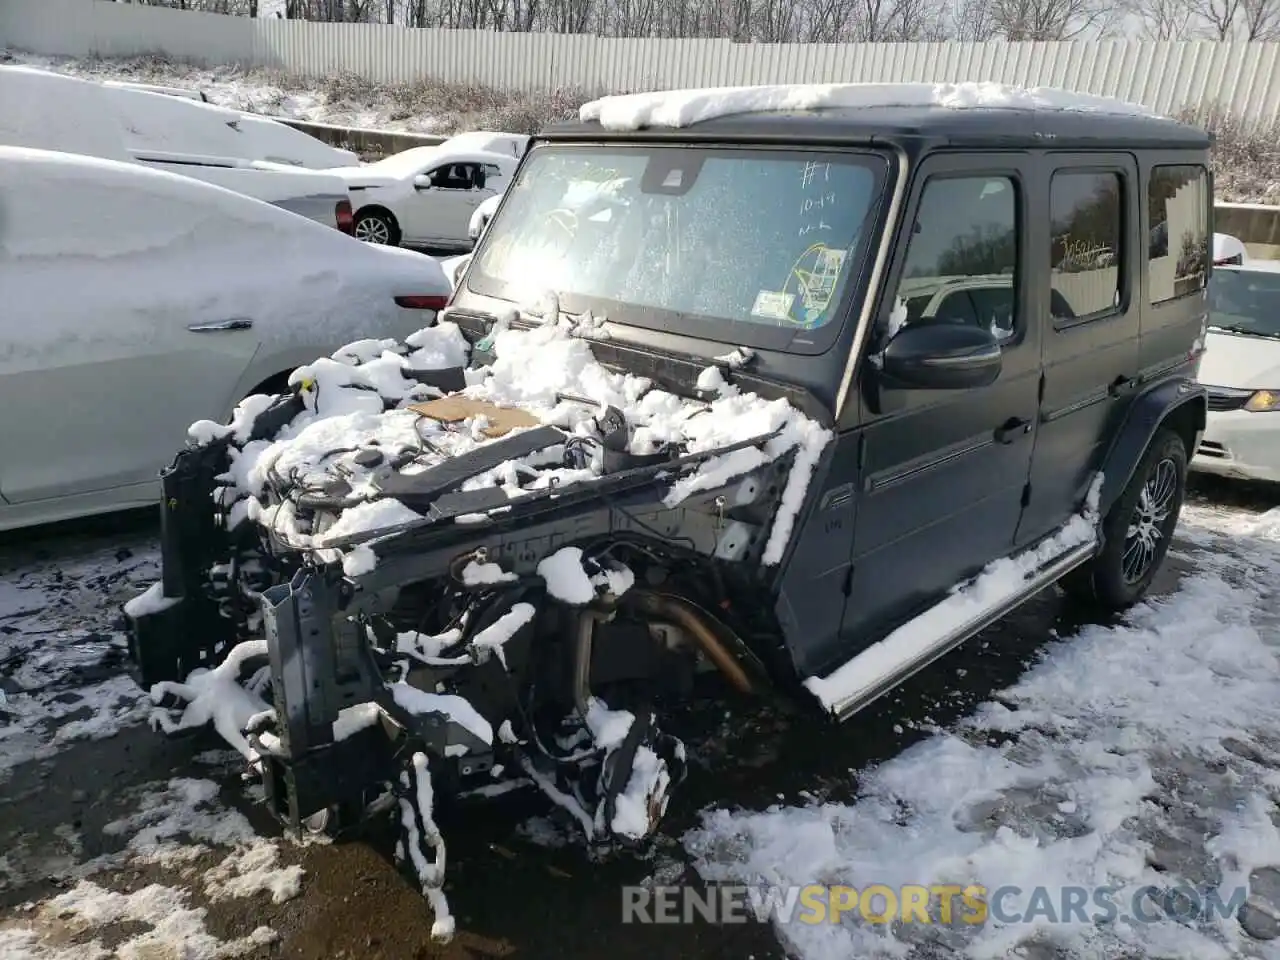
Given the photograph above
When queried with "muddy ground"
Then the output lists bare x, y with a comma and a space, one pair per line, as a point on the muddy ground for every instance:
514, 891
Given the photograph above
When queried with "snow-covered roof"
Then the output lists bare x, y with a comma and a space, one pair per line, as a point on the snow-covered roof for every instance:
681, 108
489, 140
416, 159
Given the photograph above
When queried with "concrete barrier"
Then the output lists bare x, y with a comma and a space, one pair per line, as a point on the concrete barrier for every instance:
370, 144
1257, 226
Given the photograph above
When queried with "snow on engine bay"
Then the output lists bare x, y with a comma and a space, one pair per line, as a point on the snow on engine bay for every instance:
358, 398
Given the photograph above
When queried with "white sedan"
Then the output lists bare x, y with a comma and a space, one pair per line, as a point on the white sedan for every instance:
136, 302
427, 196
1241, 369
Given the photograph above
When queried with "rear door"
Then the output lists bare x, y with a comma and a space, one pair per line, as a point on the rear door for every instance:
943, 471
100, 372
1089, 326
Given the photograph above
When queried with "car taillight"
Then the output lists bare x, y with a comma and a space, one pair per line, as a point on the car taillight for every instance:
424, 302
346, 221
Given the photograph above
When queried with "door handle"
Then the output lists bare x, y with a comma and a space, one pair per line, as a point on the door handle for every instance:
1011, 429
231, 323
1122, 385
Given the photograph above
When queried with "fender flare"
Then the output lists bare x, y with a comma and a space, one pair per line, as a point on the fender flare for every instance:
1149, 412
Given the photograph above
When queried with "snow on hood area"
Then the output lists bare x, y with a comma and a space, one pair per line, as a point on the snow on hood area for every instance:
681, 108
357, 400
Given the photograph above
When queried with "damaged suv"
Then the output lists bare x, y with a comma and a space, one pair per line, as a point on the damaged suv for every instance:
799, 386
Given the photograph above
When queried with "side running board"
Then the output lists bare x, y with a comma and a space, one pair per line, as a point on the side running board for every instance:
881, 667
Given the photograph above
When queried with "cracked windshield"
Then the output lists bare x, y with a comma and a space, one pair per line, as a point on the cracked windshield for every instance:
746, 237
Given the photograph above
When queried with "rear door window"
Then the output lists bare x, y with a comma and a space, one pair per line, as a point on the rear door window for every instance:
1086, 220
1178, 204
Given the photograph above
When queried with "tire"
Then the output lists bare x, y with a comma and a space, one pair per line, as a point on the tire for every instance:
1137, 530
375, 226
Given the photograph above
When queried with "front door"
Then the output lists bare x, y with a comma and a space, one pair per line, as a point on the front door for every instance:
943, 471
1089, 328
442, 211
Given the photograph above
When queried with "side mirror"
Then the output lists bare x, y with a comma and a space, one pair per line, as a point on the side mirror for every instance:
942, 356
422, 182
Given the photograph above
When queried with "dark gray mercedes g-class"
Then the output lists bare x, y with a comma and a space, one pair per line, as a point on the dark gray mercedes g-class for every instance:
797, 386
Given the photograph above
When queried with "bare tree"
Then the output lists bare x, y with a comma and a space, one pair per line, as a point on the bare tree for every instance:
1219, 16
1050, 19
1259, 19
1164, 19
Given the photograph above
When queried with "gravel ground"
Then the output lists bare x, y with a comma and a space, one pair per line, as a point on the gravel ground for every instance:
115, 841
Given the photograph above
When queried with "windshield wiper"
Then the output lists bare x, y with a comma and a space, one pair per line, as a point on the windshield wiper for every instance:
1243, 332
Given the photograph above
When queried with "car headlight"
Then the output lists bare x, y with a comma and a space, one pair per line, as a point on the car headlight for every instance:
1263, 400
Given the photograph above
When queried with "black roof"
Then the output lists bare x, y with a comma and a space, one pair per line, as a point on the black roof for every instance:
934, 125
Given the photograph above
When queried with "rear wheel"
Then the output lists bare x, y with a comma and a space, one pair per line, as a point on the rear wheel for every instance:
1137, 530
374, 226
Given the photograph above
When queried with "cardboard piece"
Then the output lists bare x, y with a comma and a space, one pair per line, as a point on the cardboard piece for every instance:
455, 409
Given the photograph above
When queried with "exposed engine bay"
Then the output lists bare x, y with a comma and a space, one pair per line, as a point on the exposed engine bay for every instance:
479, 556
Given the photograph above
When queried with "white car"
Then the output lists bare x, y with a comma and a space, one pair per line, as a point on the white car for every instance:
426, 196
262, 138
137, 302
253, 136
1228, 250
53, 111
1241, 369
483, 214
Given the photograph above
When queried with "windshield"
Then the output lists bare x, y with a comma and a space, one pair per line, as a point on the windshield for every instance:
753, 247
1245, 301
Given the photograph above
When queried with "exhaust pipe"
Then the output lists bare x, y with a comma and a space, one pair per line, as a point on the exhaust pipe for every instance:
684, 614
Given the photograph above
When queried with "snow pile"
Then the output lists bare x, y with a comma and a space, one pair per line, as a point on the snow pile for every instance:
643, 799
254, 870
1051, 786
682, 108
565, 578
421, 833
178, 821
457, 709
492, 638
216, 696
175, 927
176, 824
356, 406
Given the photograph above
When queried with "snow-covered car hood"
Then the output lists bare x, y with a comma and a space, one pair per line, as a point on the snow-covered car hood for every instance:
358, 437
1241, 362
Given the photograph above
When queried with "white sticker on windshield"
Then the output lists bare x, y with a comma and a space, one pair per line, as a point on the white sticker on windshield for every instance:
774, 304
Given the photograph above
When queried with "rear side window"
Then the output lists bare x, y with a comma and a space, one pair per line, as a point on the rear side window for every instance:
1178, 208
1087, 223
962, 259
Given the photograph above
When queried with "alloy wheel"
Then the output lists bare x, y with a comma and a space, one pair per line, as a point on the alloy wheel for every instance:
1147, 531
373, 230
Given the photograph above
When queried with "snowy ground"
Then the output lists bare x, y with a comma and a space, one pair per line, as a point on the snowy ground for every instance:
1146, 752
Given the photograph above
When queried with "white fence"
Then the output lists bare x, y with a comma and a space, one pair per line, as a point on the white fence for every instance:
1243, 78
